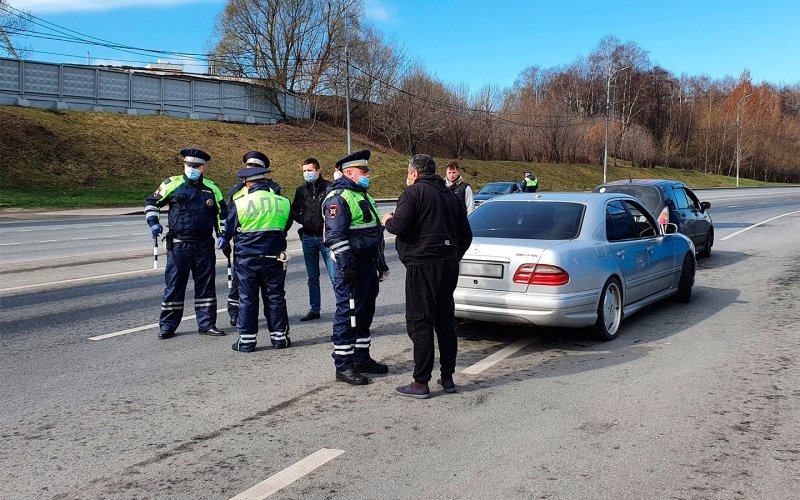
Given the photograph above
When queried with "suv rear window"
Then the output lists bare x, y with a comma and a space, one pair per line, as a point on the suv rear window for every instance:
650, 196
527, 220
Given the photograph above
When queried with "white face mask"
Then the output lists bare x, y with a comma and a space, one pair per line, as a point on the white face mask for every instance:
191, 173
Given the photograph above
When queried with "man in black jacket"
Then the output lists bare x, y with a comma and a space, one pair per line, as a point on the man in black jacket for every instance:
307, 209
432, 235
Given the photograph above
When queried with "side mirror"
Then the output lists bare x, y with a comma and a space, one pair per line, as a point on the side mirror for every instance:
704, 205
670, 228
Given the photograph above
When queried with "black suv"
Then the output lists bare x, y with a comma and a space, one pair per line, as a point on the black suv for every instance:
671, 201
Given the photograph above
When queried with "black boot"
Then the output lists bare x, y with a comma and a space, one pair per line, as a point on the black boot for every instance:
351, 377
369, 365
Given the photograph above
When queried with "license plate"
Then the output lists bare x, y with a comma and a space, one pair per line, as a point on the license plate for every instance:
480, 270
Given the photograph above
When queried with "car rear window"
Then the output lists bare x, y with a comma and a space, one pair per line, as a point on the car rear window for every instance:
650, 196
528, 220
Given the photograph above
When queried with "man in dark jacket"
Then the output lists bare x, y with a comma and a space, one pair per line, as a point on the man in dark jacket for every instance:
307, 210
432, 235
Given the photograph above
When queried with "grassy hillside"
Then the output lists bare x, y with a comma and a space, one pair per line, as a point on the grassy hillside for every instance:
58, 159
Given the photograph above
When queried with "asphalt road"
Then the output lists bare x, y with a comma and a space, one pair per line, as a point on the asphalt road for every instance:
691, 401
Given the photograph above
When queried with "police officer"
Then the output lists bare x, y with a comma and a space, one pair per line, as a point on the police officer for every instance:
250, 159
354, 234
258, 220
196, 209
529, 184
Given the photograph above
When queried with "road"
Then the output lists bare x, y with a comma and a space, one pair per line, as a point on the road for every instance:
691, 401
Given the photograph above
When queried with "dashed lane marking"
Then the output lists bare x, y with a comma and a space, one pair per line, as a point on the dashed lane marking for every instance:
737, 233
289, 475
500, 355
139, 328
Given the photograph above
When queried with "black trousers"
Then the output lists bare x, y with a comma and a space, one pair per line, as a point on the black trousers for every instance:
429, 307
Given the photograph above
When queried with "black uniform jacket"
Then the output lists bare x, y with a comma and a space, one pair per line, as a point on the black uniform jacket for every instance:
430, 223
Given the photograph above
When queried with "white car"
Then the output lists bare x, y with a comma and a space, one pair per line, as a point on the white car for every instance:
570, 260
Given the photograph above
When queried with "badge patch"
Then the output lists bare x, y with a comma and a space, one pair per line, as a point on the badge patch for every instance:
210, 203
333, 211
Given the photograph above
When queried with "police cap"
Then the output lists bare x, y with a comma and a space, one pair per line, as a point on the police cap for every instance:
359, 159
195, 155
252, 173
256, 159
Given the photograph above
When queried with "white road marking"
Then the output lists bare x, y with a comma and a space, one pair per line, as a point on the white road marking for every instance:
9, 244
139, 328
72, 280
46, 241
289, 475
756, 225
498, 356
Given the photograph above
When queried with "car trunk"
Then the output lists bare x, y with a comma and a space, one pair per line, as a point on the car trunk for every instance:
490, 263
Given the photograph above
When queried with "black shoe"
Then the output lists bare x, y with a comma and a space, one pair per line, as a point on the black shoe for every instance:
370, 366
311, 315
282, 344
351, 377
165, 334
237, 346
233, 321
447, 384
213, 332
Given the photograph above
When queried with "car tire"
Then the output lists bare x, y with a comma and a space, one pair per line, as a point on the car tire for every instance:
609, 311
706, 251
686, 282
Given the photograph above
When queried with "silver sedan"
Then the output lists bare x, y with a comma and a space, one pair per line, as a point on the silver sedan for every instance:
570, 260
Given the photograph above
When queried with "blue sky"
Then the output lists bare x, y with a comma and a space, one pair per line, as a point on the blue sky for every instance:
479, 42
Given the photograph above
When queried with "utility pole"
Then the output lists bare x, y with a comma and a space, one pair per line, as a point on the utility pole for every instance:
608, 113
739, 137
347, 87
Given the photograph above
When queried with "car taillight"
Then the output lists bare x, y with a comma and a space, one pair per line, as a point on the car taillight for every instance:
540, 274
663, 217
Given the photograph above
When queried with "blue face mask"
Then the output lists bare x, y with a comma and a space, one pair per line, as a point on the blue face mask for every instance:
310, 176
363, 182
192, 173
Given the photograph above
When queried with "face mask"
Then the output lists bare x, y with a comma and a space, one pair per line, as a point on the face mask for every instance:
192, 173
310, 176
363, 182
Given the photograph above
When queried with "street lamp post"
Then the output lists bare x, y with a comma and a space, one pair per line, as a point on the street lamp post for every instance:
739, 137
608, 112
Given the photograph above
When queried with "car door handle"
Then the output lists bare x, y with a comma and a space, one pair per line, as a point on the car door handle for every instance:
621, 254
650, 249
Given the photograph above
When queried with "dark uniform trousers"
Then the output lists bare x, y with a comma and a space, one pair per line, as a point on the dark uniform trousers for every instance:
352, 344
233, 299
429, 306
264, 275
198, 258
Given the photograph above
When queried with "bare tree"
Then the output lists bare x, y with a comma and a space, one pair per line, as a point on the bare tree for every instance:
412, 116
289, 45
12, 22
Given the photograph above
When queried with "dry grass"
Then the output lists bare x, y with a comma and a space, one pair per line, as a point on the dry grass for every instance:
54, 158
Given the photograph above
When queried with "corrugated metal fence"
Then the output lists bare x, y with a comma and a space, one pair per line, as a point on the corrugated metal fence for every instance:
131, 91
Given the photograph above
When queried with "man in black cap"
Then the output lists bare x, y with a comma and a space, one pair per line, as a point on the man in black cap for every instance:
258, 220
196, 209
307, 210
354, 234
432, 235
250, 159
